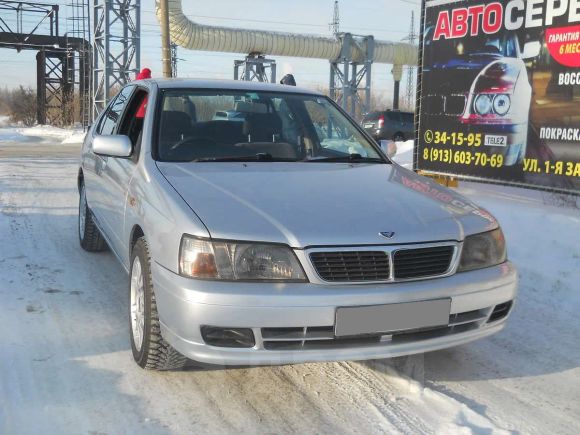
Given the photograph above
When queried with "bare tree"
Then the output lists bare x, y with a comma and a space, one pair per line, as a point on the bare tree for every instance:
21, 104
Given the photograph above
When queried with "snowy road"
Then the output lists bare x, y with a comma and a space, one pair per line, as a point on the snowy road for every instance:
66, 367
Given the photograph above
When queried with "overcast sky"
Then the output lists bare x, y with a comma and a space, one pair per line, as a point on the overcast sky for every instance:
385, 19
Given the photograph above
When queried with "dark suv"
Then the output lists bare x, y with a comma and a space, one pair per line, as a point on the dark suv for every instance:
390, 125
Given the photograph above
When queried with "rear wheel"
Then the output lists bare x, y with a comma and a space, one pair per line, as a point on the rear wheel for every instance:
90, 237
150, 350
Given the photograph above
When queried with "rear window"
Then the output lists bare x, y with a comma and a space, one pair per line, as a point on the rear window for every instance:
371, 116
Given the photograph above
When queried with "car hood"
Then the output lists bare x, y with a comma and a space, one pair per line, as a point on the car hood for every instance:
321, 204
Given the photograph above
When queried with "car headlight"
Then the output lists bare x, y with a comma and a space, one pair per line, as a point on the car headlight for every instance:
501, 104
483, 104
243, 261
483, 250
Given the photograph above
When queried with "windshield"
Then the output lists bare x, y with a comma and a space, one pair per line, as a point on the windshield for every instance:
217, 125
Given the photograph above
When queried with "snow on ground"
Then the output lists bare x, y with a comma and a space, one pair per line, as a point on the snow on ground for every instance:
404, 156
66, 366
10, 134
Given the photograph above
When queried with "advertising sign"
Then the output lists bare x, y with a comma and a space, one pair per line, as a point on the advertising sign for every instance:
500, 91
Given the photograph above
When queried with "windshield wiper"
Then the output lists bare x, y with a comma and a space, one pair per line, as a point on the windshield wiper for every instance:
260, 157
349, 158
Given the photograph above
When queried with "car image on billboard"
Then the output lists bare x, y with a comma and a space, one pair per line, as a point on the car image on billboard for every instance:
481, 85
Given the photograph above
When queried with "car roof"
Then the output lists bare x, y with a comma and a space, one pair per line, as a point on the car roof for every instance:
177, 83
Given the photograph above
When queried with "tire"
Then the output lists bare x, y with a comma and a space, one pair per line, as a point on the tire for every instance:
90, 237
398, 137
150, 350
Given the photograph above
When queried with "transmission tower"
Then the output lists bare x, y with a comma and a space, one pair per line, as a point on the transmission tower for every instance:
174, 59
335, 24
410, 73
116, 48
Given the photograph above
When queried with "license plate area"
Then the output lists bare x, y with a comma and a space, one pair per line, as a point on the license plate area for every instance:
385, 319
495, 141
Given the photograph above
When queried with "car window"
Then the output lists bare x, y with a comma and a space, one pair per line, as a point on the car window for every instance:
133, 119
371, 116
333, 132
394, 116
286, 126
112, 116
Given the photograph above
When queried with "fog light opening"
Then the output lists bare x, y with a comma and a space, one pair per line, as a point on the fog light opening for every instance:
228, 337
500, 311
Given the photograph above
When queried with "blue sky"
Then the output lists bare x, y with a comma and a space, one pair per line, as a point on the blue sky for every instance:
385, 19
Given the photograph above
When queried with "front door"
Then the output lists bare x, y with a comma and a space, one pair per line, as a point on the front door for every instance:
119, 172
98, 188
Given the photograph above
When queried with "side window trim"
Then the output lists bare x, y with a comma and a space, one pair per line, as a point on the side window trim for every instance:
102, 116
124, 114
125, 107
118, 115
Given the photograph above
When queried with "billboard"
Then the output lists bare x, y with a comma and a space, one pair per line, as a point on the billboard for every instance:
499, 91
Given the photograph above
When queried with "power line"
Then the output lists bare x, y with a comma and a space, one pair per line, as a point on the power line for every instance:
289, 23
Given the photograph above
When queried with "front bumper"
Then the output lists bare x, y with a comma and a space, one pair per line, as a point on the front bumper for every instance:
185, 304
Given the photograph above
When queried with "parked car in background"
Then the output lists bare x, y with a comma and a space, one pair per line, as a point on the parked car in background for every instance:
390, 125
228, 115
288, 237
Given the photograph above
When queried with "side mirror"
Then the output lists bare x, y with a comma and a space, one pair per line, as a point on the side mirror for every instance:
531, 50
113, 146
389, 147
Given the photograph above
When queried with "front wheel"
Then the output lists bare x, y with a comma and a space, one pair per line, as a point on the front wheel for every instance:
150, 350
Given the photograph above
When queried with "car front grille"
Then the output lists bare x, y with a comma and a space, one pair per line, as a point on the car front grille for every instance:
450, 105
352, 265
423, 262
363, 266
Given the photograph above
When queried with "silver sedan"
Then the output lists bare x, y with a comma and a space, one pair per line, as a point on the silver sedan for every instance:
283, 236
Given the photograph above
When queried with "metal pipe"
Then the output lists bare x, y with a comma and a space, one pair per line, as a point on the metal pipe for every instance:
193, 36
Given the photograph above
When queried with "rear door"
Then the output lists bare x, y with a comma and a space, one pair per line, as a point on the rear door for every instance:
93, 165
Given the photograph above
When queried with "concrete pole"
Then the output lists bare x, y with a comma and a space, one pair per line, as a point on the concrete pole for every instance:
397, 76
165, 39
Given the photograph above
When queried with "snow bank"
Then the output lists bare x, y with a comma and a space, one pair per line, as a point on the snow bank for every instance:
38, 133
440, 412
404, 156
76, 138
